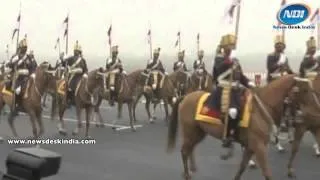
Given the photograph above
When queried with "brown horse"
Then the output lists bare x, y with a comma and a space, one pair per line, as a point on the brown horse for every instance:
83, 99
308, 98
129, 89
31, 100
168, 93
255, 138
201, 82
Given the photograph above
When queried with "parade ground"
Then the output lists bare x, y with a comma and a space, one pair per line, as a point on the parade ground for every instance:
124, 155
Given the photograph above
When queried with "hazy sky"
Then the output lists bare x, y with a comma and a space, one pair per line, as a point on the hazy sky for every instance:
90, 19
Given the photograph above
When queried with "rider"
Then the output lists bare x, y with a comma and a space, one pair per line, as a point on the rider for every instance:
154, 64
224, 66
77, 68
277, 62
309, 63
31, 62
20, 68
180, 64
199, 66
114, 66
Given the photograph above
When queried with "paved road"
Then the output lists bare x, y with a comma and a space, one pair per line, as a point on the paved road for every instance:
124, 155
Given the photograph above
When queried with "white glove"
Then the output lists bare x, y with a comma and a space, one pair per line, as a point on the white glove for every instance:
166, 73
251, 84
317, 54
233, 54
282, 59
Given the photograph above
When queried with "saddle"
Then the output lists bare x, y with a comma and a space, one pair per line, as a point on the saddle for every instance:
217, 112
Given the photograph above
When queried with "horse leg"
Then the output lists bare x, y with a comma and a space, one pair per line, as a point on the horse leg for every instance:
44, 100
147, 106
11, 118
316, 134
130, 109
246, 157
166, 111
88, 115
33, 118
40, 123
135, 102
298, 135
79, 124
260, 150
198, 139
53, 108
97, 112
120, 110
61, 126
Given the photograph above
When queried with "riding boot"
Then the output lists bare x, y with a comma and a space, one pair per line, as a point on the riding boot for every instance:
231, 133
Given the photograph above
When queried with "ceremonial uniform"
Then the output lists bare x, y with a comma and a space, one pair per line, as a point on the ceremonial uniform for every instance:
309, 64
31, 62
155, 67
180, 64
113, 66
224, 67
200, 68
77, 68
277, 62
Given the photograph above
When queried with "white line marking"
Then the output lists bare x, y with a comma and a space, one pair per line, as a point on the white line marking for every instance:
121, 127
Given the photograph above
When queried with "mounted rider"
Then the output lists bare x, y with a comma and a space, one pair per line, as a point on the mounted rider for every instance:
114, 67
310, 63
155, 68
180, 65
277, 61
228, 75
200, 68
76, 69
21, 69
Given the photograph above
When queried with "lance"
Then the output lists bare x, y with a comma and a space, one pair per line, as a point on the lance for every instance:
7, 52
67, 33
150, 42
198, 42
237, 23
109, 39
318, 31
18, 30
179, 39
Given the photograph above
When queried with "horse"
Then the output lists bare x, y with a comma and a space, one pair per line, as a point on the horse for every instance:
129, 89
84, 94
307, 96
254, 138
202, 82
168, 93
31, 100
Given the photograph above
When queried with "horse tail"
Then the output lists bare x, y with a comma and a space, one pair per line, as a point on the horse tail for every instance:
173, 126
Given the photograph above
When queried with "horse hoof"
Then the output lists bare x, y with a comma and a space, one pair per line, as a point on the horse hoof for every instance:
1, 140
225, 157
193, 169
133, 129
317, 155
252, 166
62, 132
281, 151
74, 133
114, 128
186, 176
102, 125
151, 121
291, 174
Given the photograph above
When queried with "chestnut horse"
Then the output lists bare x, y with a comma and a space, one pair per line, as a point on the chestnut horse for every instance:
254, 139
31, 100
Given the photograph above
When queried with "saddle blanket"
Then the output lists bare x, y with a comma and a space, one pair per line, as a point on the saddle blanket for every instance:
213, 115
8, 91
61, 87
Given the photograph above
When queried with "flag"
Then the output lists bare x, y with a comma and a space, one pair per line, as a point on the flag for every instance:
17, 28
283, 2
66, 20
231, 9
178, 38
198, 37
65, 32
57, 43
315, 15
149, 36
109, 30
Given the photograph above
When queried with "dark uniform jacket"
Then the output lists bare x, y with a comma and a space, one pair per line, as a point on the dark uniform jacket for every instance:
308, 64
155, 65
223, 64
76, 62
198, 64
179, 65
113, 64
273, 67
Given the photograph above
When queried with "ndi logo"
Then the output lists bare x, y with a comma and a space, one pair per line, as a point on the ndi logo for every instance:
292, 14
